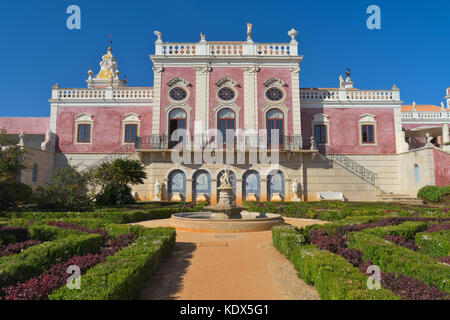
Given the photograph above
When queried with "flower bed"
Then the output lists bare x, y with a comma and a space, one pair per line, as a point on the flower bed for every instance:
435, 244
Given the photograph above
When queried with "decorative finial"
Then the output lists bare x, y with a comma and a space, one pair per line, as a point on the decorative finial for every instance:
292, 33
414, 106
249, 32
159, 35
341, 81
125, 80
56, 86
442, 105
202, 37
348, 72
90, 73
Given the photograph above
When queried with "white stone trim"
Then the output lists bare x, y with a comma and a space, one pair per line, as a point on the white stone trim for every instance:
186, 108
321, 119
236, 109
368, 119
131, 118
84, 118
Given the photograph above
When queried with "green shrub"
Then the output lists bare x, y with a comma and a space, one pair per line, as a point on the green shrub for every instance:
34, 260
435, 244
45, 232
12, 192
334, 277
444, 194
286, 237
407, 229
393, 258
123, 275
429, 193
68, 189
115, 195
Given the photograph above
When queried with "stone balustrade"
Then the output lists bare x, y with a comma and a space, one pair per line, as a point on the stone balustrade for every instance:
339, 95
121, 94
237, 48
412, 116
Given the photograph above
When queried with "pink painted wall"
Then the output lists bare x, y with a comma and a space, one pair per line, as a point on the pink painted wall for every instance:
215, 75
284, 74
107, 132
344, 130
168, 74
441, 168
31, 125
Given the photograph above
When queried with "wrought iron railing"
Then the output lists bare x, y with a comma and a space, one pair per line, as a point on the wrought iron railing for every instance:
348, 164
248, 142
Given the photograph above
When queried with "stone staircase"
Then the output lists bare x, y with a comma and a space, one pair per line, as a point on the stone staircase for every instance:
367, 175
122, 153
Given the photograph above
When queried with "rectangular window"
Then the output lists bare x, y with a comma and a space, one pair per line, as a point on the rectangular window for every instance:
130, 133
84, 133
320, 133
368, 133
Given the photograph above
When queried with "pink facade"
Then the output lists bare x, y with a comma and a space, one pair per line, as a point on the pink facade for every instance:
170, 73
284, 74
16, 125
441, 168
344, 132
217, 74
107, 136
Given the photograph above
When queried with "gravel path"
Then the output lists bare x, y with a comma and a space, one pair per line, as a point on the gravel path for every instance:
207, 266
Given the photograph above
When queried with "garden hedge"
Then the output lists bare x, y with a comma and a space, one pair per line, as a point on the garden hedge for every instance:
123, 275
34, 260
45, 232
393, 258
334, 277
407, 229
435, 244
286, 237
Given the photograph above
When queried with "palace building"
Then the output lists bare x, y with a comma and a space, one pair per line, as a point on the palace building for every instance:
344, 142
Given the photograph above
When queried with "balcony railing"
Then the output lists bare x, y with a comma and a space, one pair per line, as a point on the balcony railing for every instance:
284, 143
330, 95
103, 94
413, 116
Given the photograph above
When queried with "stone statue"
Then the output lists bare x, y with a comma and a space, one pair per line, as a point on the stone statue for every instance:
442, 105
341, 81
159, 35
202, 37
225, 179
295, 187
348, 72
21, 139
45, 146
249, 32
157, 189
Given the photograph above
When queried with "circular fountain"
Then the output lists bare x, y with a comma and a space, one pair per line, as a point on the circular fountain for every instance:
225, 216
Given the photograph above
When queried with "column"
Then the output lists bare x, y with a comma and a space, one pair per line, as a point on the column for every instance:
189, 190
263, 187
250, 97
213, 190
445, 136
239, 194
202, 98
296, 112
157, 70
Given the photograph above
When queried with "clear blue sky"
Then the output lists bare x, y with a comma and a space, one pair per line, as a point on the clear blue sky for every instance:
412, 48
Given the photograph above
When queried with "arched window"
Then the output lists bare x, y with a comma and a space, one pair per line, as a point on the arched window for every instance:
416, 173
201, 184
275, 126
226, 123
275, 186
34, 175
251, 185
177, 184
177, 121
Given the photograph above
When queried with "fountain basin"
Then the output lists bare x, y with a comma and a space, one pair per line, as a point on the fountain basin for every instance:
216, 223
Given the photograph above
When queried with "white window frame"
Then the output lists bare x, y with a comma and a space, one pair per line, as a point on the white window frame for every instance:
321, 119
84, 118
367, 119
131, 118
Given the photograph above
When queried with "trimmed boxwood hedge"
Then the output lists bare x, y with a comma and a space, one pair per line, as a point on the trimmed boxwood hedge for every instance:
407, 229
123, 275
286, 237
34, 260
45, 232
435, 244
334, 277
393, 258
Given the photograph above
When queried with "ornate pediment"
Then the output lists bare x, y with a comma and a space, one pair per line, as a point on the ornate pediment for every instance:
367, 117
274, 82
226, 82
84, 117
177, 82
321, 118
131, 117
